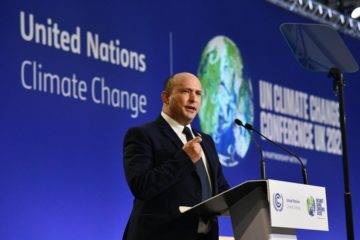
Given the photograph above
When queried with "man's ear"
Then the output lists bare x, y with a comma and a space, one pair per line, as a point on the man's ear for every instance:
165, 97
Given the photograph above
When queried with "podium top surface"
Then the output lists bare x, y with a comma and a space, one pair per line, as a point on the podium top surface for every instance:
222, 202
291, 205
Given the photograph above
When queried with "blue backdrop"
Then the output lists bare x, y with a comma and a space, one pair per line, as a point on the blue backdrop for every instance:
104, 64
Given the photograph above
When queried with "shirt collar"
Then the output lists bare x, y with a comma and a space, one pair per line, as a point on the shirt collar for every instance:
177, 127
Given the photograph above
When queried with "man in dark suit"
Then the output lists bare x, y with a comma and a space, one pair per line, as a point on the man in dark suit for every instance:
168, 164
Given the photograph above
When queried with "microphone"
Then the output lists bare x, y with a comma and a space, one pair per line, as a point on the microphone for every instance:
262, 162
249, 127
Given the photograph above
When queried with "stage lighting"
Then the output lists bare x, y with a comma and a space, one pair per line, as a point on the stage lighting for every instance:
337, 16
355, 13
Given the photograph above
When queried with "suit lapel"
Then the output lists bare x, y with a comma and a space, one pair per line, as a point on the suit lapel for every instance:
168, 132
173, 137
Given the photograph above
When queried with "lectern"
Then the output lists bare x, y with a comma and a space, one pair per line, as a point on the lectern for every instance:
268, 209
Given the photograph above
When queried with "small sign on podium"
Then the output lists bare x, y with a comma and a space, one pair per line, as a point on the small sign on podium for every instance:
297, 206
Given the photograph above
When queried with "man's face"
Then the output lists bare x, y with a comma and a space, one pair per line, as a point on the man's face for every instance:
182, 103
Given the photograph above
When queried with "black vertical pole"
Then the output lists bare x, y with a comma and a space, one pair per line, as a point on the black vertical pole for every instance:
339, 84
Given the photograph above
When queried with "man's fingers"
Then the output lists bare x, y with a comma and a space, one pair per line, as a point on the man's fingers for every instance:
197, 139
193, 149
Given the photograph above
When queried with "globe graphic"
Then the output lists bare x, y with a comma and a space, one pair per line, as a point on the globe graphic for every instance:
227, 96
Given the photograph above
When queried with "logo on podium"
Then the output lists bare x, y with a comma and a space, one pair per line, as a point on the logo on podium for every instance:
278, 202
310, 204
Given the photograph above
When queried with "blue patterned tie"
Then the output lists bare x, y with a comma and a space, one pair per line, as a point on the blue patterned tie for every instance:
200, 170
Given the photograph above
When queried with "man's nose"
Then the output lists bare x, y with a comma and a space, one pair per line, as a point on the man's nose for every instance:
192, 96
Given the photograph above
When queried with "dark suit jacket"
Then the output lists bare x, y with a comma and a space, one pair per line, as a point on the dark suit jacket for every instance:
162, 177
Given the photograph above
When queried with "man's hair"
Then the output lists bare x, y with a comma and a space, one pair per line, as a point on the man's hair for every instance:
168, 86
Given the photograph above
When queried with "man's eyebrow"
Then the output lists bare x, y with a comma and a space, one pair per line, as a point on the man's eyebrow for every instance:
196, 91
192, 89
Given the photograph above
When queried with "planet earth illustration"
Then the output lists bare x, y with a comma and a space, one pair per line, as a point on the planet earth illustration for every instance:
227, 96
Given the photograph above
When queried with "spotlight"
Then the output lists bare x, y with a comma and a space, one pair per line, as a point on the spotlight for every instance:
355, 13
335, 13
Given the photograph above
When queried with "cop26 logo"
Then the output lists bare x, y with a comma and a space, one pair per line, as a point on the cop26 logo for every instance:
310, 204
278, 202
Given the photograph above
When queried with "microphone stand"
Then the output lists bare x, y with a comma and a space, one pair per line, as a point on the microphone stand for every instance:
262, 162
304, 173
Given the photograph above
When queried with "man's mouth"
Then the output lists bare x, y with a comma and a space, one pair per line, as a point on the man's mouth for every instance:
191, 108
